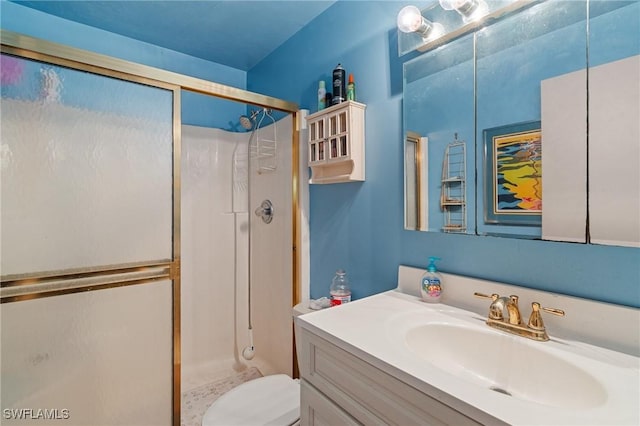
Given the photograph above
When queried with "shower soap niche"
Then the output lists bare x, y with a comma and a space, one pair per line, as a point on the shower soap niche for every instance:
336, 143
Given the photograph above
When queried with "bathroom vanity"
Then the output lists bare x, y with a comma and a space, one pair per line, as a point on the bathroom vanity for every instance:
393, 359
342, 386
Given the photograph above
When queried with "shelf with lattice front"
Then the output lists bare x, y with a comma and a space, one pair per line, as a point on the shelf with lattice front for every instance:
336, 143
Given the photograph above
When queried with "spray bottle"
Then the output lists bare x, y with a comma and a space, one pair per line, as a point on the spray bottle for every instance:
431, 283
339, 85
351, 89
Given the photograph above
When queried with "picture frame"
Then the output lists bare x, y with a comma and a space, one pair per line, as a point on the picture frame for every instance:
513, 174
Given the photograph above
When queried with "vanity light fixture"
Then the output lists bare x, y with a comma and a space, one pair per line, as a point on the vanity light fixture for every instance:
410, 20
470, 10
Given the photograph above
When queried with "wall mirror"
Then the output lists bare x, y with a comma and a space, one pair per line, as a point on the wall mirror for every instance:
505, 116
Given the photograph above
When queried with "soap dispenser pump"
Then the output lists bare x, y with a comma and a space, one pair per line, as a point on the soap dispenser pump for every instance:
431, 283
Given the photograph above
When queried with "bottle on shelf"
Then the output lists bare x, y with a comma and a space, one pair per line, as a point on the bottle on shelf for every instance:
339, 85
351, 89
340, 290
322, 93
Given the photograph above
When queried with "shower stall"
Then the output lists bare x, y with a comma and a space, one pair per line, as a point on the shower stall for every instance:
143, 260
236, 251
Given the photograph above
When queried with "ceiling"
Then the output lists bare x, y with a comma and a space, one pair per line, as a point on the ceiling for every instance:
235, 33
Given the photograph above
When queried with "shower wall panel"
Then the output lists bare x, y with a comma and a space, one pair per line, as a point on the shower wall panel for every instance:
271, 255
216, 182
209, 232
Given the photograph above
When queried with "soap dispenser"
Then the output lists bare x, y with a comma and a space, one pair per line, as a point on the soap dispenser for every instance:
431, 283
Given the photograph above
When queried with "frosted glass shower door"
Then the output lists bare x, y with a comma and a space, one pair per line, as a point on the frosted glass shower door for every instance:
87, 203
86, 169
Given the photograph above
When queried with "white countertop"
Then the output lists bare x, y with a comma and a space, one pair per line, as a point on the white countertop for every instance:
374, 329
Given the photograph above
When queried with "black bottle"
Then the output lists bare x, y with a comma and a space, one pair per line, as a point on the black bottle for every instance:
328, 99
339, 85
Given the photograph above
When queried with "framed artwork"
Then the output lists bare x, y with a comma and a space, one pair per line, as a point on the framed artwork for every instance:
513, 174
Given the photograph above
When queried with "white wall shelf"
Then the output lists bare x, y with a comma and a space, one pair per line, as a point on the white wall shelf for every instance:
336, 143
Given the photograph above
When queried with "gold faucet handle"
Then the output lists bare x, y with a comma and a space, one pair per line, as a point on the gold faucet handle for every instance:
493, 297
494, 311
553, 311
535, 320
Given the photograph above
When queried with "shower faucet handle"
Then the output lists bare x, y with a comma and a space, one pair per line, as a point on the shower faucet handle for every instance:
266, 211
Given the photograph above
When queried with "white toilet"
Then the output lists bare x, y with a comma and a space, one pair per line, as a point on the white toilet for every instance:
271, 400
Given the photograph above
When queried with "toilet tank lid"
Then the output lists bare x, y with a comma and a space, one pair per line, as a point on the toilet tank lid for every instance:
270, 400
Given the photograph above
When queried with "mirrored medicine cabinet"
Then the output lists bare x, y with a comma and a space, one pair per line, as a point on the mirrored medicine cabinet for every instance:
544, 103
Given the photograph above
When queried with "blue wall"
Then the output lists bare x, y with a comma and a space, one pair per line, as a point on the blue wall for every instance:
197, 109
359, 226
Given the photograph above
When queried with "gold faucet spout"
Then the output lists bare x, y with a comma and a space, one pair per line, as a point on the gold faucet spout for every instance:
514, 310
535, 328
510, 305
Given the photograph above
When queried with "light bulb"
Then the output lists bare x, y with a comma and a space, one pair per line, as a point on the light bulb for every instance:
452, 4
410, 20
470, 10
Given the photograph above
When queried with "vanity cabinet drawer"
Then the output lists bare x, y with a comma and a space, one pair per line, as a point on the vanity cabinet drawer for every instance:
368, 394
317, 410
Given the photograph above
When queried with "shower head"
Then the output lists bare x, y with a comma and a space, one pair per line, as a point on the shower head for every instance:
246, 122
249, 122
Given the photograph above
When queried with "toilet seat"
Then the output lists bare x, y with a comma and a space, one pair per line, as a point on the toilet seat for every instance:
271, 400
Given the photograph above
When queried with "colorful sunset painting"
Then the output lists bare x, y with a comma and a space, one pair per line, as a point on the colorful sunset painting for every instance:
518, 173
513, 174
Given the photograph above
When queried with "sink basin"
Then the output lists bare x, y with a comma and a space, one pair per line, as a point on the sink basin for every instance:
506, 364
